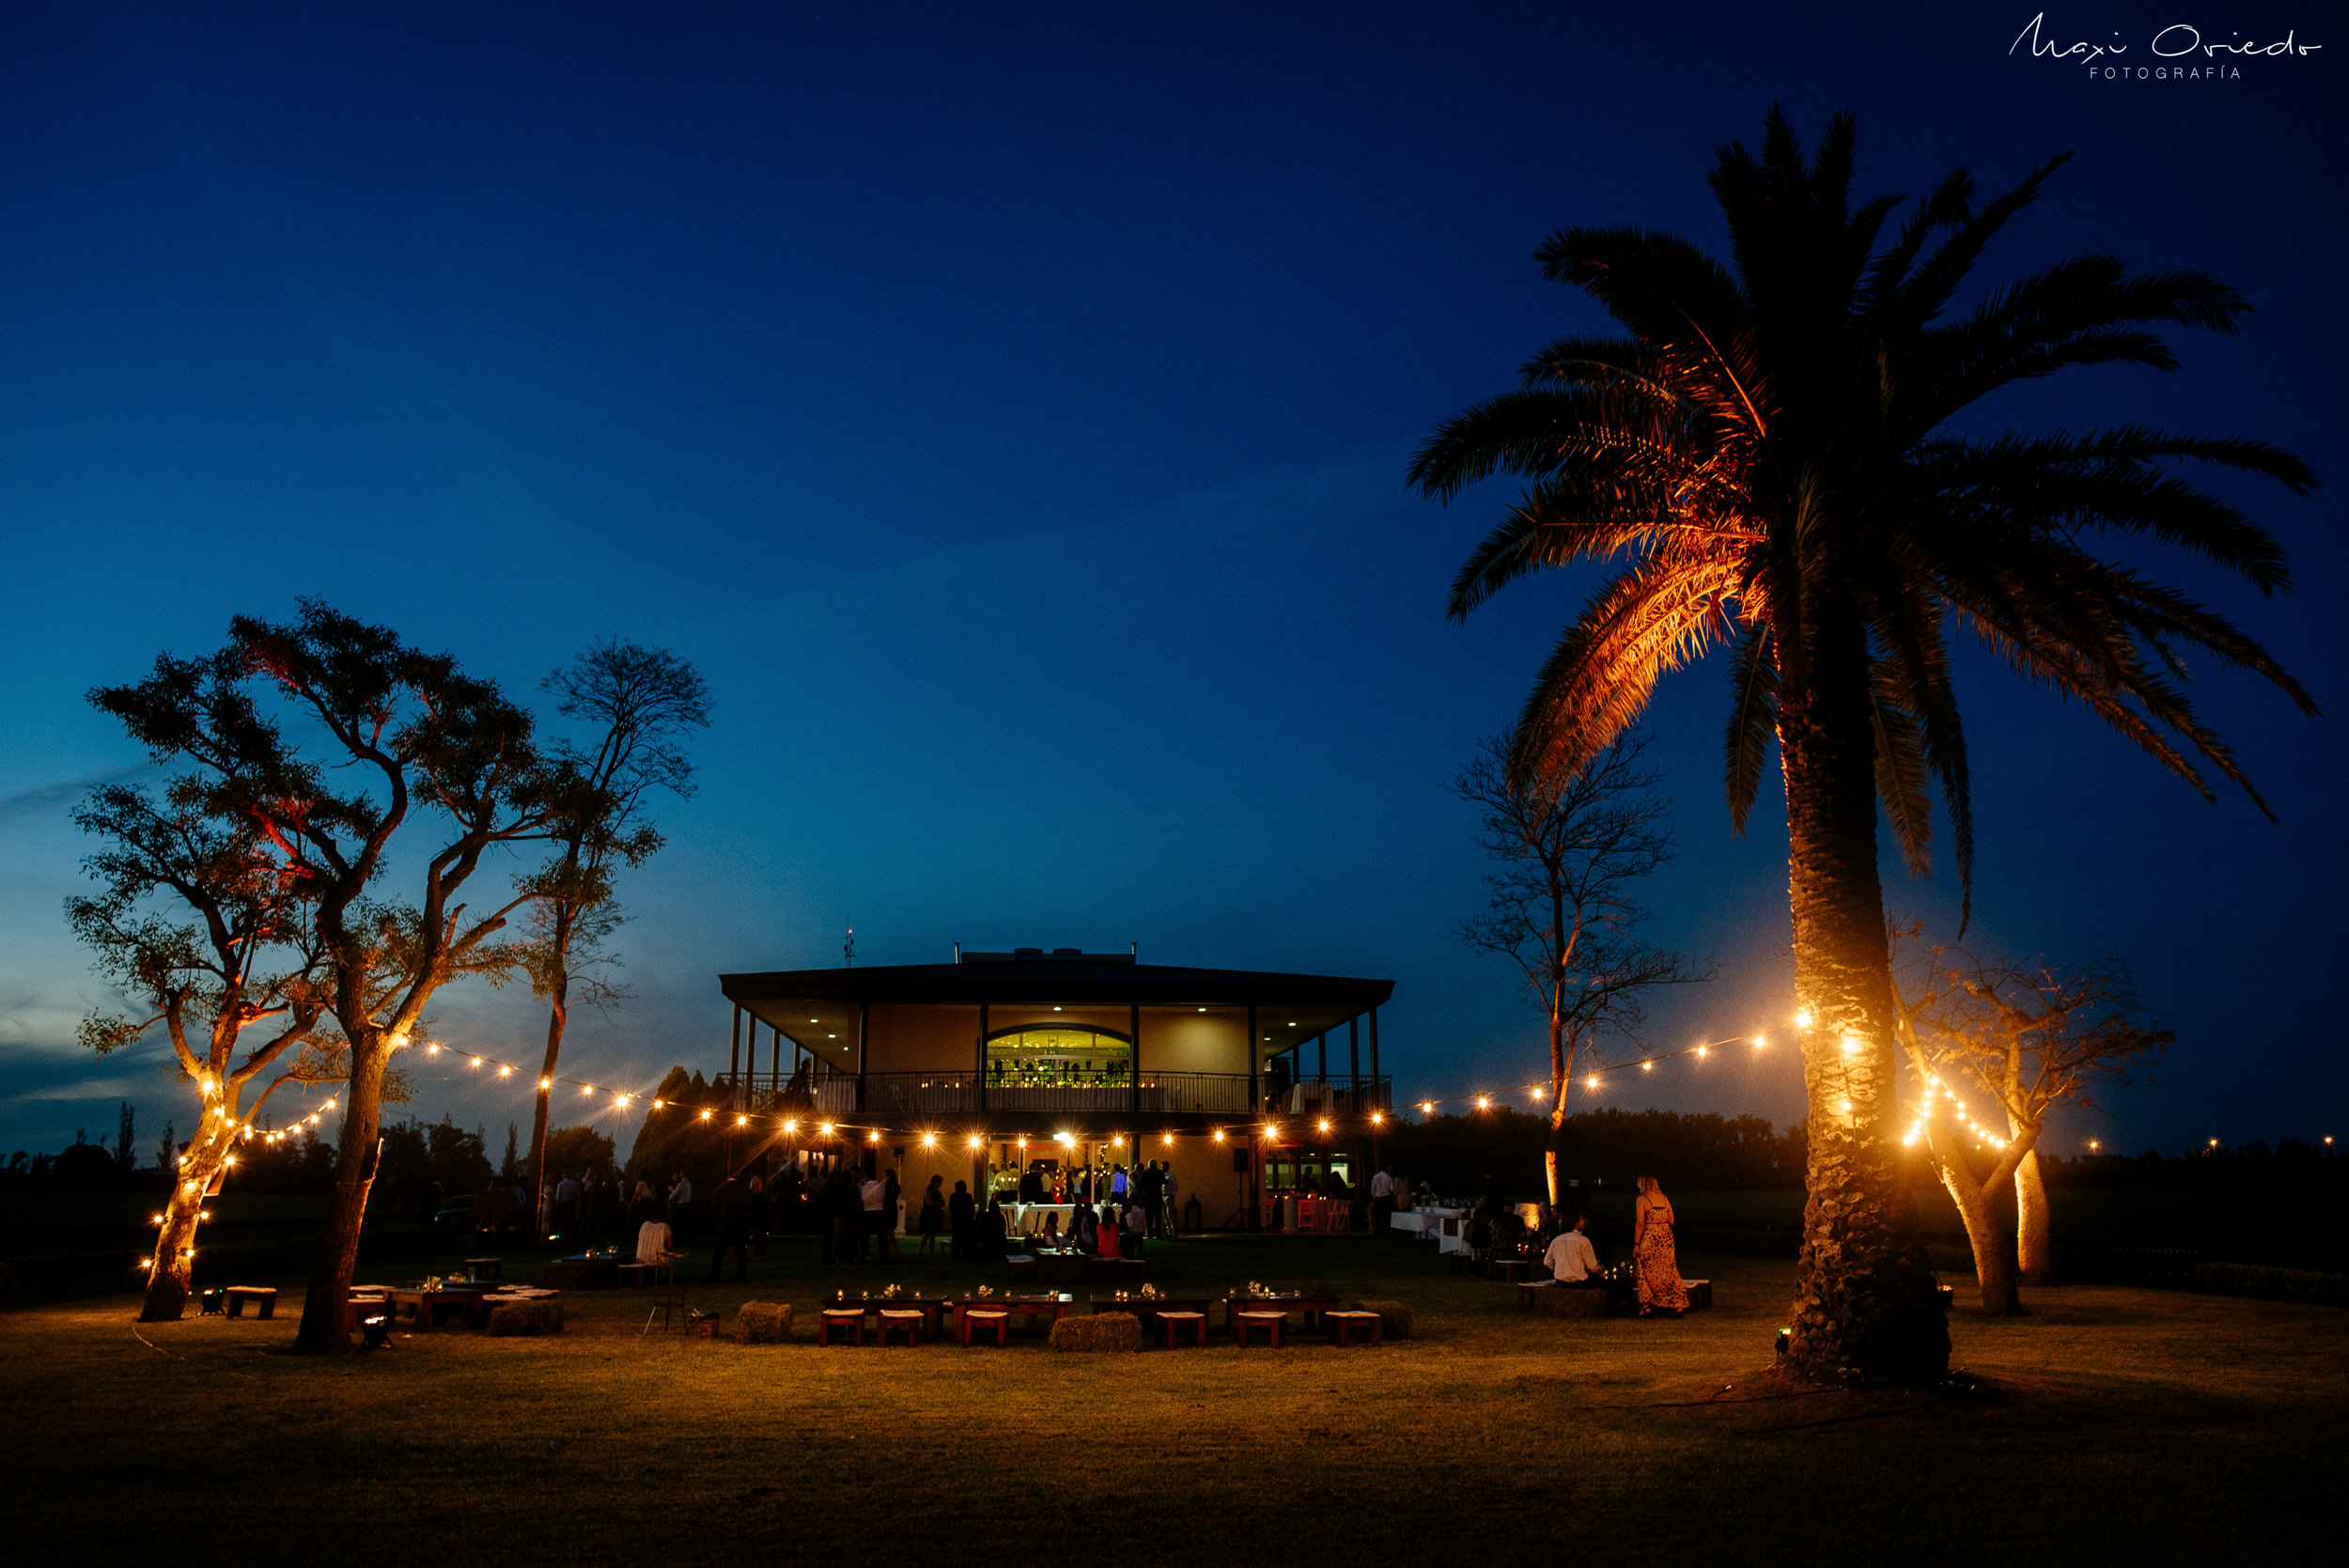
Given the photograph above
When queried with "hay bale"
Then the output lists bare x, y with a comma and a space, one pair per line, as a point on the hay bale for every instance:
1394, 1318
539, 1315
1568, 1303
1101, 1332
763, 1323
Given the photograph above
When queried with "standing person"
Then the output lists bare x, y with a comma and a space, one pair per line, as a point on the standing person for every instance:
1154, 1199
1652, 1255
932, 1219
1382, 1203
1117, 1183
1173, 1214
640, 1204
567, 1205
1131, 1242
731, 1205
962, 1225
870, 1197
760, 1211
680, 1201
994, 1232
892, 1207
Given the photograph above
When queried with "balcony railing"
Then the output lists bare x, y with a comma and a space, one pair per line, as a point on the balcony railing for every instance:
1162, 1094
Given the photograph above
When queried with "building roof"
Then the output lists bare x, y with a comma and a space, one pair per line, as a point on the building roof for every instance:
817, 1007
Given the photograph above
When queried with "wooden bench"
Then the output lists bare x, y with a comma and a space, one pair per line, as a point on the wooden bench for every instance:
1271, 1323
1020, 1265
1340, 1323
910, 1319
850, 1318
979, 1319
264, 1298
1196, 1323
1700, 1294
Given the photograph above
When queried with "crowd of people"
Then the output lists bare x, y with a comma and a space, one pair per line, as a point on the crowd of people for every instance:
1572, 1259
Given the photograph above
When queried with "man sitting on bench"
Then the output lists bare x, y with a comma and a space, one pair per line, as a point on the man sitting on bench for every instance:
1572, 1258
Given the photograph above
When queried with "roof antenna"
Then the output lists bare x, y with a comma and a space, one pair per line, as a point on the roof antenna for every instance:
957, 953
1135, 948
848, 949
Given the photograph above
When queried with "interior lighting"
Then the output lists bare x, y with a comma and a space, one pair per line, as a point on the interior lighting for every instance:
741, 1121
825, 1128
976, 1142
1271, 1131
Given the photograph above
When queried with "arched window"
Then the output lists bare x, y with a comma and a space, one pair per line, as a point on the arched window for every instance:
1059, 1054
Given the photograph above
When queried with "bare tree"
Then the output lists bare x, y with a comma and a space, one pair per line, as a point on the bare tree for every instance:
2028, 1037
421, 743
201, 932
1570, 845
636, 704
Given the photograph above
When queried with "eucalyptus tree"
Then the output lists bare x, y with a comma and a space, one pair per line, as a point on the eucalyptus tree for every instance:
1560, 903
1770, 451
331, 741
206, 939
635, 704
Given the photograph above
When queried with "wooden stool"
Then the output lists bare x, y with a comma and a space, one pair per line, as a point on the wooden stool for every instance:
262, 1297
484, 1269
1340, 1323
908, 1319
1176, 1322
1526, 1289
1270, 1322
850, 1318
1511, 1269
976, 1319
1020, 1265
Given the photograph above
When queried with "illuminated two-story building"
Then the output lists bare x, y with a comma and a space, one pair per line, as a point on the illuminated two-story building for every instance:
1002, 1064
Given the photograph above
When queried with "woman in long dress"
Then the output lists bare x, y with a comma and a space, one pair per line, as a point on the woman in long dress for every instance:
1653, 1257
932, 1220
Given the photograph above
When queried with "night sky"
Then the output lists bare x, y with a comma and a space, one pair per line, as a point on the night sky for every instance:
1005, 407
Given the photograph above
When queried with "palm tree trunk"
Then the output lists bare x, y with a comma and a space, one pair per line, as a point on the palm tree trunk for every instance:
2034, 1241
1864, 1298
322, 1332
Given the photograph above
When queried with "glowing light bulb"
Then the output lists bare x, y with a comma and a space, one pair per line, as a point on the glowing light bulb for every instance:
873, 1137
1759, 1042
741, 1121
1802, 1018
619, 1100
1647, 1066
1379, 1119
790, 1126
545, 1083
1851, 1044
1483, 1102
1219, 1134
1325, 1124
976, 1142
825, 1128
704, 1115
1843, 1106
1427, 1108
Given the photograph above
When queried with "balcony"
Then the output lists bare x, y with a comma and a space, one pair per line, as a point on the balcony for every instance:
958, 1093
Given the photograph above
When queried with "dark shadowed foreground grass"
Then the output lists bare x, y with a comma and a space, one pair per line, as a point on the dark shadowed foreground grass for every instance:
2111, 1424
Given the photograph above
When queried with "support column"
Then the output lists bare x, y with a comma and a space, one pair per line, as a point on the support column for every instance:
1321, 1051
734, 1056
1374, 1053
1255, 1098
1354, 1063
775, 1061
982, 1058
1133, 1033
864, 1028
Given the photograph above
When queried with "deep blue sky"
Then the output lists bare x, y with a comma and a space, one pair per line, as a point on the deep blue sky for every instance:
1005, 406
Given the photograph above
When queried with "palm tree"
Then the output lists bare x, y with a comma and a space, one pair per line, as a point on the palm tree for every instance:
1767, 448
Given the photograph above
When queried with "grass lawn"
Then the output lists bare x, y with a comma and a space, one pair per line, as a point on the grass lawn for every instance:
2111, 1423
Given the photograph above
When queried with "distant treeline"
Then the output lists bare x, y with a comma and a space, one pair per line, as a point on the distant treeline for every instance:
1458, 1155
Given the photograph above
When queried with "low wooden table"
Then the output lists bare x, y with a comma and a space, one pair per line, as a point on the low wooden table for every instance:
1045, 1304
1511, 1269
484, 1269
929, 1307
1313, 1305
264, 1299
1148, 1308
